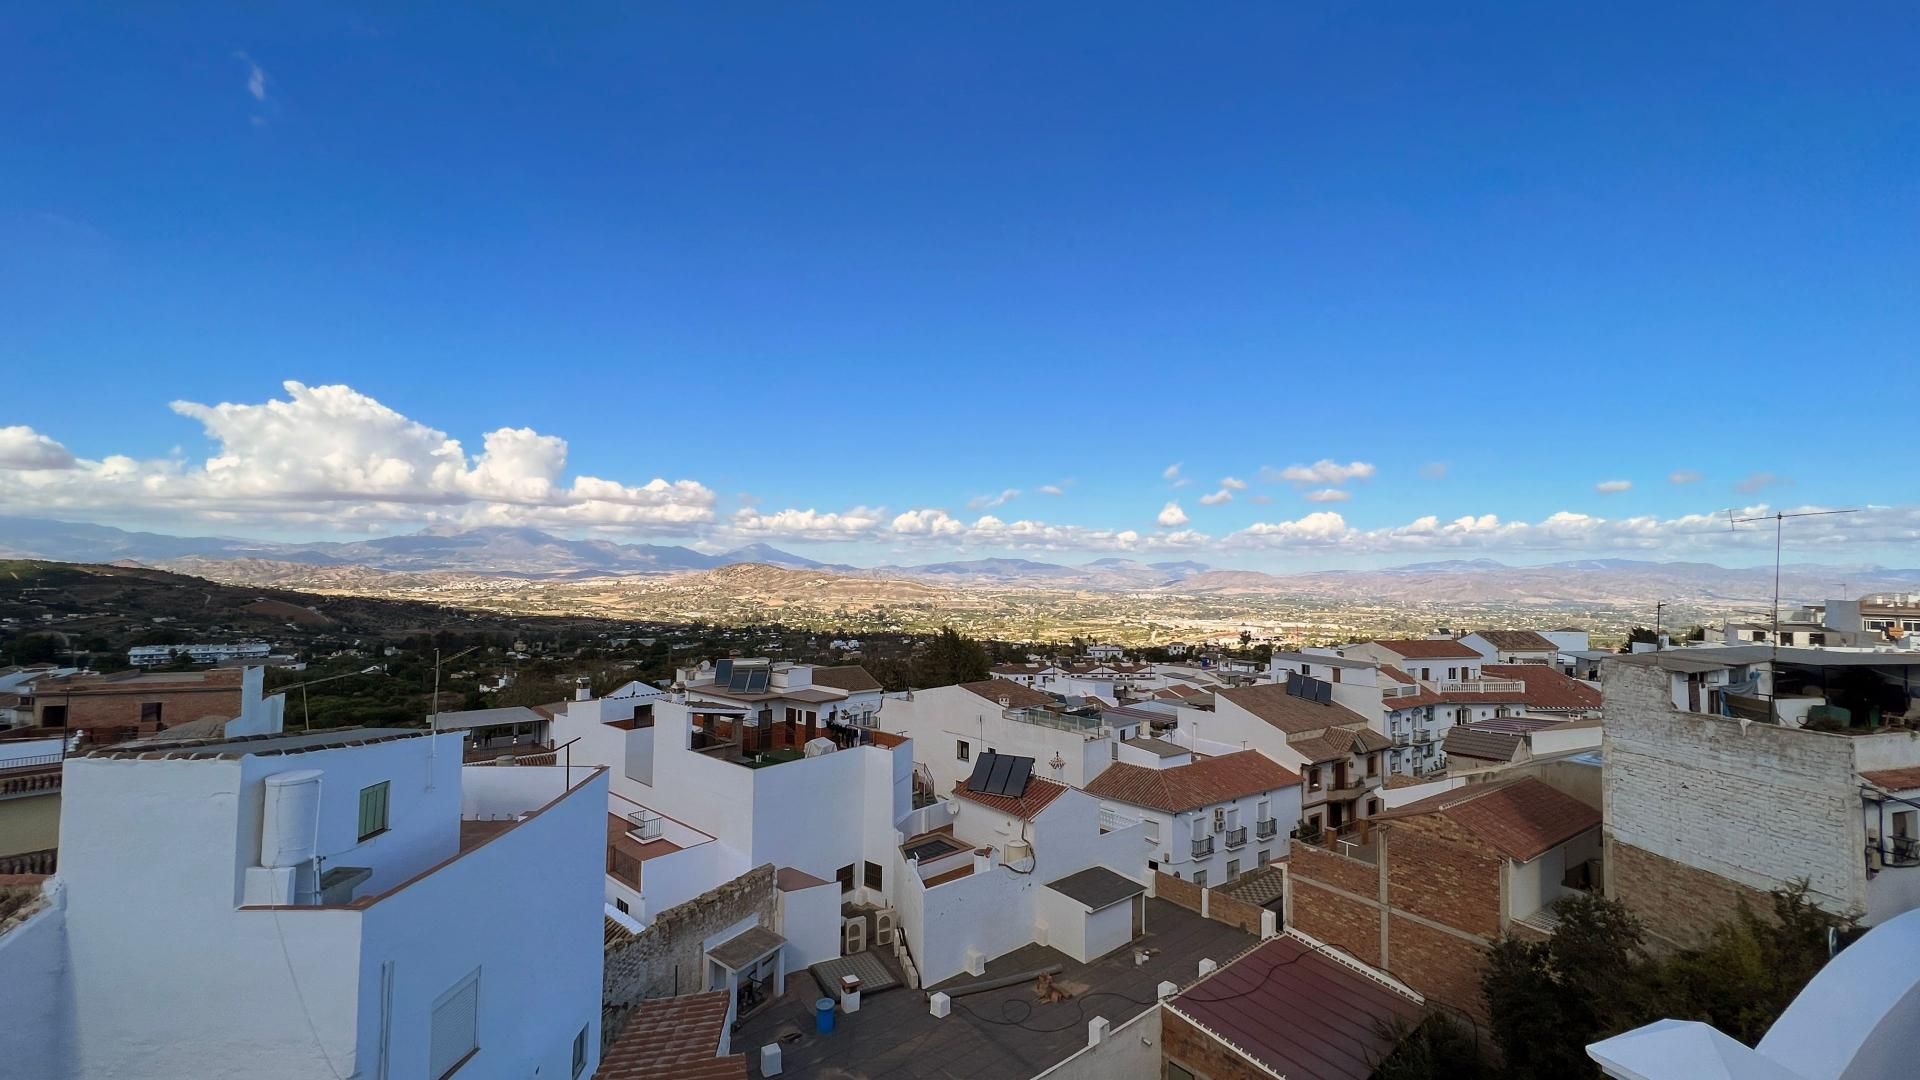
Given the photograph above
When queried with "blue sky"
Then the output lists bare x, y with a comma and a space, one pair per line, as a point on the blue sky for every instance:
829, 271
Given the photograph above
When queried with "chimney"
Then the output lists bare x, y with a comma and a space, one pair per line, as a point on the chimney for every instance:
583, 689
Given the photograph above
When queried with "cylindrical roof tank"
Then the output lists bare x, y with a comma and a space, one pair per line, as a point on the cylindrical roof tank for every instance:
292, 815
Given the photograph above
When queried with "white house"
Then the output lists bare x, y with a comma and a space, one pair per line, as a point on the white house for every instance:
1105, 652
802, 697
1512, 646
1443, 659
1008, 867
1339, 755
207, 652
350, 902
1206, 819
952, 725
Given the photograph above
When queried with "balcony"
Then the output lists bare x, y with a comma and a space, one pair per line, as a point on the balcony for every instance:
1202, 847
1267, 828
1114, 821
1047, 718
1423, 736
1401, 738
1483, 686
1237, 838
1400, 691
1350, 787
1900, 851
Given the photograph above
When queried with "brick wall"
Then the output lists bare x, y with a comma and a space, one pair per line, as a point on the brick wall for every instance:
92, 703
1759, 805
1337, 919
1438, 870
667, 958
1323, 865
1444, 967
1201, 1053
1176, 891
1678, 904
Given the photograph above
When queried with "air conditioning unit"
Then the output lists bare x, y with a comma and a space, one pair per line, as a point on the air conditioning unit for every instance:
646, 825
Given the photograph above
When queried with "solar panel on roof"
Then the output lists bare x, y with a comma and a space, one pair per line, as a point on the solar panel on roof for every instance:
982, 768
1022, 772
757, 680
722, 672
1323, 692
1002, 770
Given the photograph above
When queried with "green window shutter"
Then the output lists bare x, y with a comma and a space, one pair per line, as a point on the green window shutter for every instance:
373, 809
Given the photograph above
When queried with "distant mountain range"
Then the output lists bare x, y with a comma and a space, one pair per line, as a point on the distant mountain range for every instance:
434, 554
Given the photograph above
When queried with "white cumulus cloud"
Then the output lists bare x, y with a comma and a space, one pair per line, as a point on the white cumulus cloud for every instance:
21, 447
1218, 497
1613, 487
1233, 483
1327, 495
1171, 516
1322, 473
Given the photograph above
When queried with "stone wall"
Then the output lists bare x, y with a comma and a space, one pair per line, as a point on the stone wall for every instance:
1758, 805
1678, 905
668, 958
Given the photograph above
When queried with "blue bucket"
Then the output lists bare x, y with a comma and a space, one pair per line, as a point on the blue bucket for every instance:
823, 1016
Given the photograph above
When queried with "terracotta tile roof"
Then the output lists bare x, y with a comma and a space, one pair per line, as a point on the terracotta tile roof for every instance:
1400, 780
1396, 674
1522, 819
1894, 779
1429, 648
1482, 745
1293, 715
1547, 689
1018, 697
615, 935
1189, 787
1516, 641
849, 677
673, 1039
1299, 1011
1039, 794
1338, 743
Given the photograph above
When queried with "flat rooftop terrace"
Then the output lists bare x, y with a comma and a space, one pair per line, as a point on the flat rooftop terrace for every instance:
996, 1034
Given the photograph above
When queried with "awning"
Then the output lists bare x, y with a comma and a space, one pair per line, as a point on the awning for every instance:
747, 948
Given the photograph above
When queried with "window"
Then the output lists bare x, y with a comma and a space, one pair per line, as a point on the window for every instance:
455, 1029
373, 810
53, 716
845, 877
961, 751
150, 712
621, 906
1373, 764
1233, 869
1200, 878
580, 1053
873, 875
1153, 830
1816, 639
1453, 673
1373, 807
1177, 1071
1266, 856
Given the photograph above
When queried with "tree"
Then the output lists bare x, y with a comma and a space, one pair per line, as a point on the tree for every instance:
1436, 1048
1639, 635
1749, 971
950, 658
1582, 984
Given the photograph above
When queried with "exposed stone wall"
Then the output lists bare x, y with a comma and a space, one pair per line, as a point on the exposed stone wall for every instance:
1758, 805
1202, 1054
667, 958
1678, 904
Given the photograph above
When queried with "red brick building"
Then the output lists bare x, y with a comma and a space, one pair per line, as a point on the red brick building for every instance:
1441, 879
142, 701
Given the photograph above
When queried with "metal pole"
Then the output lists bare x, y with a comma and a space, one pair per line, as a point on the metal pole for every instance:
433, 722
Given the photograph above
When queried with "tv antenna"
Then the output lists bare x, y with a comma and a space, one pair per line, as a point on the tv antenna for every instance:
1779, 530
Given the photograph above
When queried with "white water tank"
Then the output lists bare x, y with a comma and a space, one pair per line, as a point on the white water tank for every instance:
291, 818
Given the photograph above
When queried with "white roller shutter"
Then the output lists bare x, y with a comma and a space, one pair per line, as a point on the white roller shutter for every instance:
456, 1018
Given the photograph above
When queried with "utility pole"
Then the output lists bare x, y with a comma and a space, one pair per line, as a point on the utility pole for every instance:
1773, 652
434, 723
1658, 608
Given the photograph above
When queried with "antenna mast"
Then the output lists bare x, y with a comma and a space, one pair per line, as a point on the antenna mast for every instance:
1779, 530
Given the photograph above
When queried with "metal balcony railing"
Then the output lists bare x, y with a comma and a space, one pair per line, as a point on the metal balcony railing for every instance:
1236, 838
1266, 829
1203, 847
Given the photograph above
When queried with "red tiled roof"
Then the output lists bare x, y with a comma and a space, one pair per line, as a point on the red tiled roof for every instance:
1429, 648
1395, 674
1516, 641
793, 879
1300, 1012
1191, 786
1548, 689
1018, 697
1338, 743
673, 1039
1894, 779
849, 677
1522, 820
1293, 715
1039, 794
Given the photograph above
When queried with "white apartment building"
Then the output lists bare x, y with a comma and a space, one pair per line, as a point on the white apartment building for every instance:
1339, 756
350, 902
694, 803
1105, 652
1441, 659
1207, 820
952, 725
993, 870
207, 652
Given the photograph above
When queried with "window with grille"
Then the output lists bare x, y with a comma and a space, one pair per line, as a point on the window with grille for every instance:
456, 1026
373, 810
845, 876
580, 1053
873, 875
